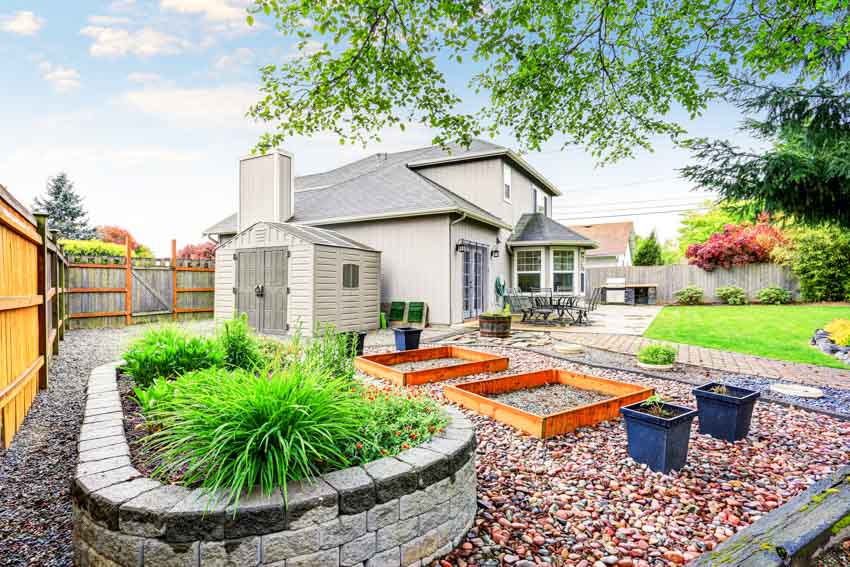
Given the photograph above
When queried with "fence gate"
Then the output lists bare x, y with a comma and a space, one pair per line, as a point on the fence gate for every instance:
152, 291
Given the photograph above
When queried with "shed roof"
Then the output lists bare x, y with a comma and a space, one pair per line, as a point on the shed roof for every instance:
613, 237
314, 235
537, 228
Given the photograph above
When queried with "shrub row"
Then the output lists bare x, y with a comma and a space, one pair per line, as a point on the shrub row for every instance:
733, 295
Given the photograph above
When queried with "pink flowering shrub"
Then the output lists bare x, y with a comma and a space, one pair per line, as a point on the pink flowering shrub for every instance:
737, 245
203, 251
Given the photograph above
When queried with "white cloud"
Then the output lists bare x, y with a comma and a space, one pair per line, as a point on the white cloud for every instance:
63, 79
211, 107
108, 20
214, 10
117, 42
310, 47
240, 56
21, 23
121, 5
143, 78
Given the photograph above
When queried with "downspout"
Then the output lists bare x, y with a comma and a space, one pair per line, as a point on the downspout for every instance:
451, 266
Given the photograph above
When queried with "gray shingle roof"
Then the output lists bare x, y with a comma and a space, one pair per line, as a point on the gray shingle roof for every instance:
375, 186
538, 228
316, 235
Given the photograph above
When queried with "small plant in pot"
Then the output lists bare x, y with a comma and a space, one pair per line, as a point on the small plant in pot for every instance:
658, 433
657, 357
725, 411
495, 323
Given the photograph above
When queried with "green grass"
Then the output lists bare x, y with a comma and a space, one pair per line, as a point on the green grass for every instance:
781, 332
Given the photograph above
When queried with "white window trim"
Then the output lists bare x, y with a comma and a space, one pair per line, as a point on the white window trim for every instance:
507, 175
539, 194
574, 272
542, 265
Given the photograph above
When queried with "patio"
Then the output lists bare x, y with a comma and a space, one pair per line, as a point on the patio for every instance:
606, 319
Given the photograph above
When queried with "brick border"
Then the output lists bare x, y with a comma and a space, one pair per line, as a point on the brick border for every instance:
395, 512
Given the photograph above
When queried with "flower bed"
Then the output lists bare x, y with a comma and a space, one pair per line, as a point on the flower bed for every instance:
834, 340
399, 510
384, 365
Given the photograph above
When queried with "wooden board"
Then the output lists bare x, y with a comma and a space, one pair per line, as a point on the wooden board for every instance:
473, 395
381, 365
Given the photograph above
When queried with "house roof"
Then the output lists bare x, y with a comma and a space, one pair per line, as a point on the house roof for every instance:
613, 237
384, 186
315, 235
537, 228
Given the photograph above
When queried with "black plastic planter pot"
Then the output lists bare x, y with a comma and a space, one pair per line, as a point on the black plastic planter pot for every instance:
659, 443
407, 338
360, 337
725, 416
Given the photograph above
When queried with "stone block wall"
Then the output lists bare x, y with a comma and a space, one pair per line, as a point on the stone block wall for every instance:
395, 512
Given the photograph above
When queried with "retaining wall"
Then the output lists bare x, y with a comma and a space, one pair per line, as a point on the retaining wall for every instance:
399, 511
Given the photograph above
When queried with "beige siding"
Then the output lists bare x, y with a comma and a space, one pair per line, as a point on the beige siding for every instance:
483, 234
346, 309
300, 273
265, 182
225, 281
481, 183
415, 259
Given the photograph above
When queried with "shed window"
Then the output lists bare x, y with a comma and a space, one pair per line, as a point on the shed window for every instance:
350, 276
529, 264
506, 178
563, 270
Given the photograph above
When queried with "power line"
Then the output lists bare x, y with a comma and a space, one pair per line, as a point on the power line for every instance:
637, 208
628, 214
608, 187
675, 201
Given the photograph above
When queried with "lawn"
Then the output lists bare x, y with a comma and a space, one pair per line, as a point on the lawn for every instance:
781, 332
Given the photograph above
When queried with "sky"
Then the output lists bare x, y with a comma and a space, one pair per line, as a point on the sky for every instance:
142, 104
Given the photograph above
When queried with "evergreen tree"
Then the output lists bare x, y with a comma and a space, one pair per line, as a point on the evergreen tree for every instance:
648, 252
65, 209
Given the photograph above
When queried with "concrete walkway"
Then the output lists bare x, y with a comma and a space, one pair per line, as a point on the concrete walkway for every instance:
615, 319
720, 360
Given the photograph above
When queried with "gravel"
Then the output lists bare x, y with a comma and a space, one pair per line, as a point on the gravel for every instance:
37, 470
579, 500
549, 399
428, 364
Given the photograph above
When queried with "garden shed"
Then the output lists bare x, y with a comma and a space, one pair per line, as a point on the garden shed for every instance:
283, 274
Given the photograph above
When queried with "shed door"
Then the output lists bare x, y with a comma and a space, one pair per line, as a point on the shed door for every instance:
247, 278
274, 295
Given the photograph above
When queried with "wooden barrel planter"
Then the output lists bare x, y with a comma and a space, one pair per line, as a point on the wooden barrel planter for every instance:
494, 325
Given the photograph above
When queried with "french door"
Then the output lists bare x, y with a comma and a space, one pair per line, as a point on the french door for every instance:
474, 280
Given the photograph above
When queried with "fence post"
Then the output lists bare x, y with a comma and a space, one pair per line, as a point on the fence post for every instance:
41, 220
128, 285
173, 279
54, 287
60, 333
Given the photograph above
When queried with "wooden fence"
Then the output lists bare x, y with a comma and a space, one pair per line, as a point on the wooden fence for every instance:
33, 309
109, 292
671, 279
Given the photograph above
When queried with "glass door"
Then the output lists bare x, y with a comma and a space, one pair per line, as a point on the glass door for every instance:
474, 280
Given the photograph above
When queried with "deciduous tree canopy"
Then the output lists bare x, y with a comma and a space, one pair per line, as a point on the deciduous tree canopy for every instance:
602, 74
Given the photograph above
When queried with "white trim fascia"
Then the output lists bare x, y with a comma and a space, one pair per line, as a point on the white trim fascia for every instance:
402, 214
579, 243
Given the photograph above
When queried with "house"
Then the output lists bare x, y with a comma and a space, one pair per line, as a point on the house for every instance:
447, 224
616, 243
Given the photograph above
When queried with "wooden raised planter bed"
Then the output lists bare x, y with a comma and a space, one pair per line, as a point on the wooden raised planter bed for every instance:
381, 365
472, 395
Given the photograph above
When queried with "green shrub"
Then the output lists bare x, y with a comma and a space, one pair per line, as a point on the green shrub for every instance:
821, 261
168, 352
657, 354
774, 295
115, 252
395, 421
329, 351
690, 295
155, 396
240, 346
733, 295
228, 429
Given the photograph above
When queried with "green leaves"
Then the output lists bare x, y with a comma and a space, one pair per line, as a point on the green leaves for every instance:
602, 74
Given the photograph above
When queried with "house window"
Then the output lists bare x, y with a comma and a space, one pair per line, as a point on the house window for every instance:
350, 276
563, 270
506, 178
529, 272
541, 201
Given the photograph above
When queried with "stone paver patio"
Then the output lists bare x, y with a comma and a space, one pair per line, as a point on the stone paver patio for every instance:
616, 319
720, 360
